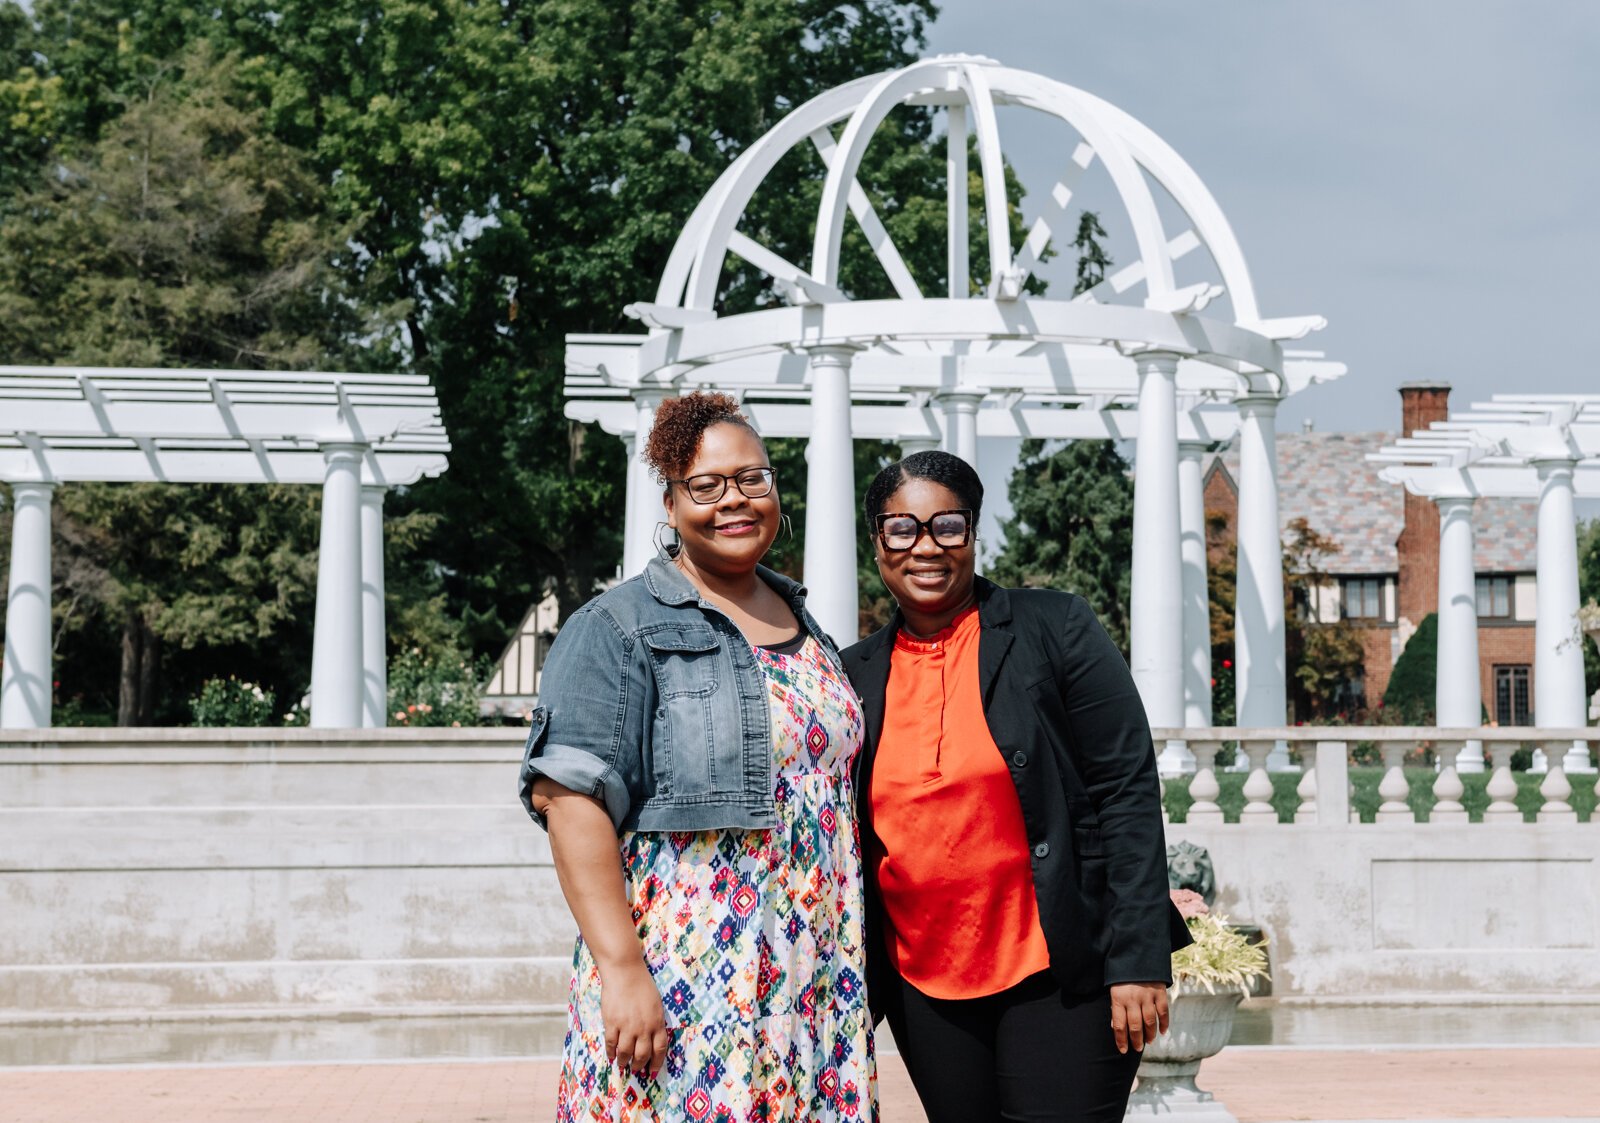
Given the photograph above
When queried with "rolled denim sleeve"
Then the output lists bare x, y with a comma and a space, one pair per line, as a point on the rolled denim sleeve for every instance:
587, 732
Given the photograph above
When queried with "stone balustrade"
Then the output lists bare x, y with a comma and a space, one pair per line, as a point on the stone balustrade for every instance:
1324, 789
181, 873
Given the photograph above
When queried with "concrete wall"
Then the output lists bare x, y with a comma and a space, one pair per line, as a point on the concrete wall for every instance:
1387, 910
200, 871
211, 872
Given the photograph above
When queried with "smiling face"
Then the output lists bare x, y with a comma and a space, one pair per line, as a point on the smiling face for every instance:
931, 583
729, 536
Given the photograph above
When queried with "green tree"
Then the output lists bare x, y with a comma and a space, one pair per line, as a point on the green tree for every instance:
1072, 527
1093, 261
1589, 592
1410, 695
1325, 657
183, 236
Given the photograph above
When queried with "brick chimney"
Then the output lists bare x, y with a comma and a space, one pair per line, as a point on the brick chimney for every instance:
1421, 404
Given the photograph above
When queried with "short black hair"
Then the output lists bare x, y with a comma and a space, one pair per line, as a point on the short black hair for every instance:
943, 468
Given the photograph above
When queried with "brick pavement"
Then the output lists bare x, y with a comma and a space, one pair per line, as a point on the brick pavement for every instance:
1258, 1085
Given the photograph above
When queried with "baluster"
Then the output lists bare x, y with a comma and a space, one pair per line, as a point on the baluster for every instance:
1333, 782
1393, 787
1556, 788
1448, 788
1204, 787
1502, 787
1306, 789
1258, 809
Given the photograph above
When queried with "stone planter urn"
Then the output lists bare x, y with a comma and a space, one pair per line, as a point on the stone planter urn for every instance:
1198, 1028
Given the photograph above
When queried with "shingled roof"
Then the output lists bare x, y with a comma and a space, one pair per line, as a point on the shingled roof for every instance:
1326, 479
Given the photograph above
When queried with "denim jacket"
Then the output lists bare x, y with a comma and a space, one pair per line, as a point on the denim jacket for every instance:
652, 701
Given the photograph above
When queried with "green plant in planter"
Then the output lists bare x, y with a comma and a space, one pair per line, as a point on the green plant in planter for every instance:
1220, 957
1209, 977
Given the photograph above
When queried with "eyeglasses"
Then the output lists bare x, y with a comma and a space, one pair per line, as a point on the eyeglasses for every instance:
949, 529
710, 487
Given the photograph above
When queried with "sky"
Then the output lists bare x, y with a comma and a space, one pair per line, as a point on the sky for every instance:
1422, 173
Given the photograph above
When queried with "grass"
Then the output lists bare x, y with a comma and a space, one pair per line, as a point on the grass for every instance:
1365, 798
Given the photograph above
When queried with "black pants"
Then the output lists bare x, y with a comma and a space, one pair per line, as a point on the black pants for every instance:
1029, 1054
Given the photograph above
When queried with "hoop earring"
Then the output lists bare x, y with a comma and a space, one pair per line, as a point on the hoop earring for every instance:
667, 550
788, 527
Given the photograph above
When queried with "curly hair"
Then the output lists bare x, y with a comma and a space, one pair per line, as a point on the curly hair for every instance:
680, 423
943, 468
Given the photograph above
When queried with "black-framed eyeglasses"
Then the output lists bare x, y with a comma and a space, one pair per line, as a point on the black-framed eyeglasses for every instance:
898, 531
709, 487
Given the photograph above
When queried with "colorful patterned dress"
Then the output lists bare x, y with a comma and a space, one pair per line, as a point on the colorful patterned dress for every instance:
754, 938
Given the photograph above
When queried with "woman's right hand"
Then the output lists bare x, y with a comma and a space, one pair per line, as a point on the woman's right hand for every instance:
635, 1023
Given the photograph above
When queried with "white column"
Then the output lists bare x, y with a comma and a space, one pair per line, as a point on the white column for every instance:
1458, 700
1196, 594
1558, 698
336, 671
630, 500
1176, 757
25, 685
961, 423
1258, 633
830, 547
1157, 598
955, 166
374, 633
908, 445
644, 509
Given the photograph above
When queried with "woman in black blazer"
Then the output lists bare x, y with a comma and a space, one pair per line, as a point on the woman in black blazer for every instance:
1020, 930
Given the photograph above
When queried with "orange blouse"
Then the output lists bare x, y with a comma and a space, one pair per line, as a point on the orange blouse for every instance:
952, 861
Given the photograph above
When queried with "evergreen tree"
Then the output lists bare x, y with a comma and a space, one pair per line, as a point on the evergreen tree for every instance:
1410, 696
1072, 527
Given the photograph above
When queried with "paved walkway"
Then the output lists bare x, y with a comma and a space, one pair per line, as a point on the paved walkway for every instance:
1258, 1085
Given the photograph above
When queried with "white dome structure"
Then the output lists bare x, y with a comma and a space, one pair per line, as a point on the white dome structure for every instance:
968, 362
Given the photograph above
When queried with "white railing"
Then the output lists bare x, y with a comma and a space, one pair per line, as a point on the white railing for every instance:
1325, 789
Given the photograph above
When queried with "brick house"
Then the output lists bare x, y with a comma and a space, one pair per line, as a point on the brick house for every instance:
1384, 579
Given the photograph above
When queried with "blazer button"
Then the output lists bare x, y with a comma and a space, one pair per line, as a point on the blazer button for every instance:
1042, 850
1019, 759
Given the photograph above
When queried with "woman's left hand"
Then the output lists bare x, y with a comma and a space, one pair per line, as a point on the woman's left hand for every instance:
1138, 1013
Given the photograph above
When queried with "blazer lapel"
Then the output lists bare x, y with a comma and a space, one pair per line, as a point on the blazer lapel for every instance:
871, 678
993, 646
995, 638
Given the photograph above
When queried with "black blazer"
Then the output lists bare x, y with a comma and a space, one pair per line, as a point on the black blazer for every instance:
1064, 712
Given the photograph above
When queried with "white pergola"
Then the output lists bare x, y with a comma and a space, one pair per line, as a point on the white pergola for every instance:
917, 419
996, 361
356, 435
1516, 446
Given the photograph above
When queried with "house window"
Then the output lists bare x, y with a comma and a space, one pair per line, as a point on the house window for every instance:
1511, 695
1494, 598
1362, 598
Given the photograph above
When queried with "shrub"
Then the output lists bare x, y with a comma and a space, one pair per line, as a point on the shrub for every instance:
227, 702
1410, 694
434, 689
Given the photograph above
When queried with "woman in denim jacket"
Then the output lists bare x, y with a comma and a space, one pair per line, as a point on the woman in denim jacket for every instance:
691, 760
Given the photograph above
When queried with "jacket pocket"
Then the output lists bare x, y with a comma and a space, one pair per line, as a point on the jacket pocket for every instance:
684, 660
681, 746
1085, 828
